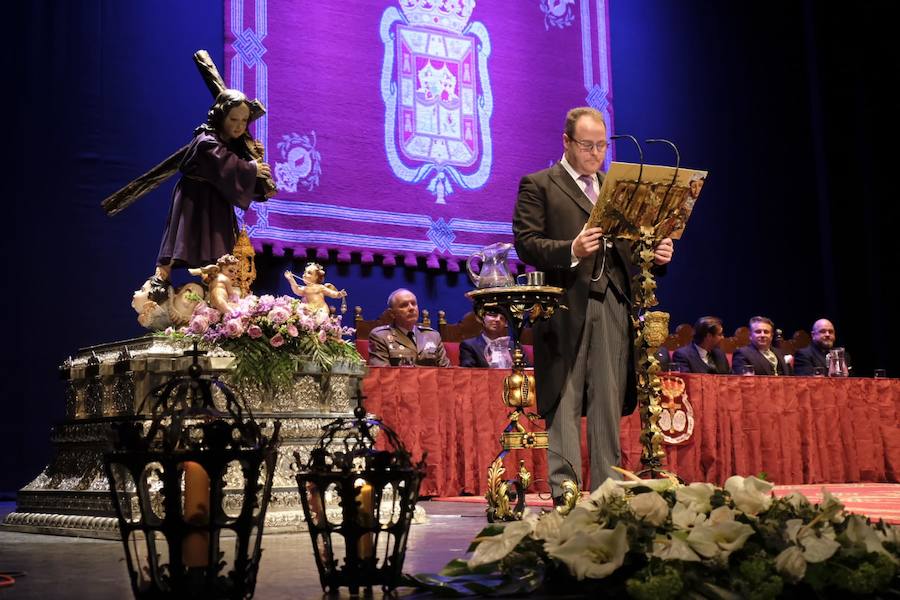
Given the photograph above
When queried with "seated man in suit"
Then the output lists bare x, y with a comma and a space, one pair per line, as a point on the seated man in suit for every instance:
815, 355
703, 354
759, 353
492, 349
403, 342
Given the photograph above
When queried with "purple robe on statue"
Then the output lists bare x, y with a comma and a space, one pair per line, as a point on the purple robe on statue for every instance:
202, 226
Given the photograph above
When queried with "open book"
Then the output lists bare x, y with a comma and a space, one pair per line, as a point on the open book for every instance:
658, 202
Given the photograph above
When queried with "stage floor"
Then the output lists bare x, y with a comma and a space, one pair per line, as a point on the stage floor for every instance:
62, 567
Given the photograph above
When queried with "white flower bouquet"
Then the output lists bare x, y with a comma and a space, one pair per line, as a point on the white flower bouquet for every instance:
655, 539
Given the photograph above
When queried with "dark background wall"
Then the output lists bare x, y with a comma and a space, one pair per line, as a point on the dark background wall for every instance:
786, 105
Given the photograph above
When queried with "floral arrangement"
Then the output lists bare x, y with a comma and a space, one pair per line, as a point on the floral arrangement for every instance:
655, 539
268, 336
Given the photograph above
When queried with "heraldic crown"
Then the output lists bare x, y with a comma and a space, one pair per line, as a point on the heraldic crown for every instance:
449, 15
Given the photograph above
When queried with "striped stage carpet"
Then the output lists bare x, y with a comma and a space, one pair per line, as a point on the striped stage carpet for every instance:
874, 500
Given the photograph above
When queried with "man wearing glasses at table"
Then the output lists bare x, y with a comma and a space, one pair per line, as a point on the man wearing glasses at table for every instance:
583, 356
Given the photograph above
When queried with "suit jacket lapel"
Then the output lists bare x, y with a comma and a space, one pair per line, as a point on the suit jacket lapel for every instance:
564, 181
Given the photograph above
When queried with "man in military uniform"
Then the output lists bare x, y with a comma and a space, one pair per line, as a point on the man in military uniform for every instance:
404, 342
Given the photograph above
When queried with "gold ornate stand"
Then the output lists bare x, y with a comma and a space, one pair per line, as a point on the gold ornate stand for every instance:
652, 328
522, 305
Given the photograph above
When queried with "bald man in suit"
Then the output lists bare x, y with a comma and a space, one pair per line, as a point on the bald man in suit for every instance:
584, 355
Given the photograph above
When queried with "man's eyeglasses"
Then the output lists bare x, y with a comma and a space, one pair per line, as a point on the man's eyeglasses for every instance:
588, 146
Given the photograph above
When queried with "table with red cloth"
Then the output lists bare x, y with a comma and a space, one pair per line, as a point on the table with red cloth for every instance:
795, 429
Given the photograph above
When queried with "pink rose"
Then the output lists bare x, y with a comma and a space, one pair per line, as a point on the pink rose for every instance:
279, 315
213, 315
292, 330
254, 331
277, 340
323, 336
234, 328
199, 324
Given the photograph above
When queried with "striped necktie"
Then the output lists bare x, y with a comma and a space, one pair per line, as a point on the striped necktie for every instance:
589, 190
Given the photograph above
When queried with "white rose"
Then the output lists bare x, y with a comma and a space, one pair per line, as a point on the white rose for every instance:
696, 496
790, 562
719, 540
751, 495
650, 507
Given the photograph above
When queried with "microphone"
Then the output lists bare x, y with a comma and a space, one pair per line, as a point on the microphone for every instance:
674, 149
641, 157
677, 163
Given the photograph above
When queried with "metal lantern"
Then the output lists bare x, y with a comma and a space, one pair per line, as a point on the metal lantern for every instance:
362, 542
185, 534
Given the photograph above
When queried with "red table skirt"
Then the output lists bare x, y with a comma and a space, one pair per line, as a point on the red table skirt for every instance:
795, 429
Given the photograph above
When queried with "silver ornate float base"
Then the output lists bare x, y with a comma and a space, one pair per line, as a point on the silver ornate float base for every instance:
106, 384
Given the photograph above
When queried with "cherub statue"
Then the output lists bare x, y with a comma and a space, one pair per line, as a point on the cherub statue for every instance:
221, 278
316, 289
175, 311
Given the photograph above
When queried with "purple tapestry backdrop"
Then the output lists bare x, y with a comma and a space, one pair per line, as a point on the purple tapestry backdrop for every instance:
401, 128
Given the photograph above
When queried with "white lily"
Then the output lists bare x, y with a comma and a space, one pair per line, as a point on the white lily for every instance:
650, 507
832, 507
817, 545
719, 536
685, 517
722, 514
493, 548
797, 500
751, 495
696, 496
657, 485
608, 490
859, 532
548, 526
592, 554
674, 547
580, 518
890, 534
809, 546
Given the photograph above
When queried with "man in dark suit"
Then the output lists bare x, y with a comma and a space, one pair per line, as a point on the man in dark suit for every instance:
703, 354
815, 355
584, 355
404, 342
492, 349
759, 353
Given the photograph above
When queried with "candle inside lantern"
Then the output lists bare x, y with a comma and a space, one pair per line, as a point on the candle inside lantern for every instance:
366, 517
195, 547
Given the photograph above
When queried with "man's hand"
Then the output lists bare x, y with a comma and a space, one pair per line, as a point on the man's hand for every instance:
588, 241
662, 254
